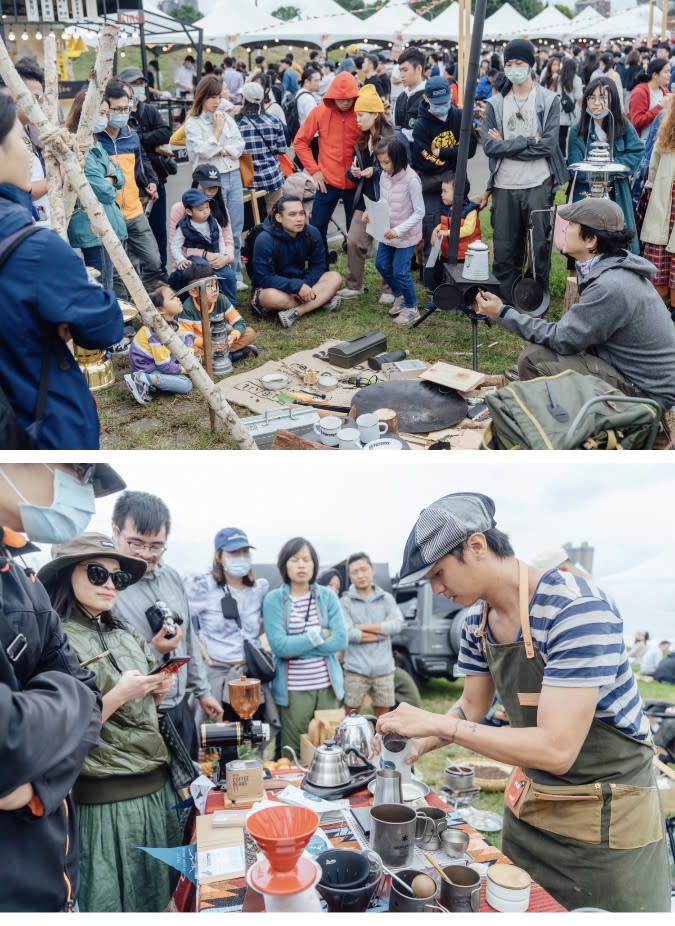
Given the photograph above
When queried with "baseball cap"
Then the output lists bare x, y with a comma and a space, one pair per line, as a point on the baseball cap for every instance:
231, 539
192, 198
437, 91
252, 92
599, 214
206, 175
129, 75
106, 480
441, 528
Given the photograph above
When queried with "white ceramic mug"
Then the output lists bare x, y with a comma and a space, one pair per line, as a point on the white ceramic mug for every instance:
384, 443
348, 439
370, 427
327, 430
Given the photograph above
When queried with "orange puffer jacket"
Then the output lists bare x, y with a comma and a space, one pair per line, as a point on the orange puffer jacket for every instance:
337, 132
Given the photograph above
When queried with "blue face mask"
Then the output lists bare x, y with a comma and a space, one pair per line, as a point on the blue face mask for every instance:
139, 93
100, 124
68, 515
119, 120
441, 110
237, 566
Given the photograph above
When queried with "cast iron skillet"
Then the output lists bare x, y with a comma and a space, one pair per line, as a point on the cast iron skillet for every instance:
421, 407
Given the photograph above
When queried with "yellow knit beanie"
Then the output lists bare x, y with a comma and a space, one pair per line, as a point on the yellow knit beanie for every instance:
368, 100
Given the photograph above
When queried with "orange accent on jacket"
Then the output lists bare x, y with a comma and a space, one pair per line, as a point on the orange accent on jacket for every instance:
469, 231
337, 131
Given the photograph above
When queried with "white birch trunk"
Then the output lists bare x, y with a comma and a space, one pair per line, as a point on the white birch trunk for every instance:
55, 140
99, 76
54, 180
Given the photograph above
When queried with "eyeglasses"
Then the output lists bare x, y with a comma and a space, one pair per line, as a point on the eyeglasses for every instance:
137, 546
99, 575
124, 109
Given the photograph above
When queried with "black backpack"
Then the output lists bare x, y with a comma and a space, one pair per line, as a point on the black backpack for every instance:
12, 435
290, 109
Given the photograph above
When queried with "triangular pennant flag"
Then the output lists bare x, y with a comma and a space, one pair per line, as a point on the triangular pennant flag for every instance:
188, 802
182, 858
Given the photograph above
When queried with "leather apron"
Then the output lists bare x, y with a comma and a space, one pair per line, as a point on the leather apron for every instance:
594, 836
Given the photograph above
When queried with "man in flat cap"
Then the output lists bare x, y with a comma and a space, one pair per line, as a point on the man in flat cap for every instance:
619, 330
582, 808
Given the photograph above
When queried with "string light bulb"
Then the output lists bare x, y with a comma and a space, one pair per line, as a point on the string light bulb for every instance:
24, 36
38, 35
11, 37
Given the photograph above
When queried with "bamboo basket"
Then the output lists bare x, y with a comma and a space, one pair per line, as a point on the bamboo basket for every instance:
492, 783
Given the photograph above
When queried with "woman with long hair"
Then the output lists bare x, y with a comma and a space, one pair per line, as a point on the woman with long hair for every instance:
570, 90
365, 172
602, 121
646, 100
124, 797
226, 607
551, 76
106, 179
657, 228
305, 629
212, 137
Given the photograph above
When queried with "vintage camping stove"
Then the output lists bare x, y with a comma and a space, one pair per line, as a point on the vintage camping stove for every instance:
463, 798
457, 294
244, 700
598, 167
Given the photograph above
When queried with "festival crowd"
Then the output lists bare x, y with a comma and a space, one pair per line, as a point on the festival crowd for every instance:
308, 138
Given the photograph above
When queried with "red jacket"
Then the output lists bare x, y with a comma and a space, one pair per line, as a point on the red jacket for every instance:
337, 132
639, 112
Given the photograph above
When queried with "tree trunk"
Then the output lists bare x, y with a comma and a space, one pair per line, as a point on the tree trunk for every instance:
53, 172
99, 76
55, 140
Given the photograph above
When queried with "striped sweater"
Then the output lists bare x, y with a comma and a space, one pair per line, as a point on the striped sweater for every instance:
147, 355
579, 633
191, 317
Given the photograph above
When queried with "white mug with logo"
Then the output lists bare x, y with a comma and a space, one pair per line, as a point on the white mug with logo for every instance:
348, 439
370, 427
327, 430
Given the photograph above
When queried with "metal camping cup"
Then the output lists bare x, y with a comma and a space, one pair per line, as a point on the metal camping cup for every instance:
370, 427
327, 429
462, 894
348, 439
387, 787
402, 902
430, 835
392, 834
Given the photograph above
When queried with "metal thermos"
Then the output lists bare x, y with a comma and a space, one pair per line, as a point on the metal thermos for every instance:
376, 363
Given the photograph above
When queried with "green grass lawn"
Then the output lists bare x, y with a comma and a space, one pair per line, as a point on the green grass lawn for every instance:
439, 695
183, 422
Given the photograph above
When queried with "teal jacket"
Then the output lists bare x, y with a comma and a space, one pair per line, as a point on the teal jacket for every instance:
299, 646
627, 151
97, 167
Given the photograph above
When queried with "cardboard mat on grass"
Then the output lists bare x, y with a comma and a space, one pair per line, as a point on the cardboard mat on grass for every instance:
246, 390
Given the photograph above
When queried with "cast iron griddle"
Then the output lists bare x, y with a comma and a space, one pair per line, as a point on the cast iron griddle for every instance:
421, 407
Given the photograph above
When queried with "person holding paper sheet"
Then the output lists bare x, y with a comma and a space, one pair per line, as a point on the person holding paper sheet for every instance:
400, 187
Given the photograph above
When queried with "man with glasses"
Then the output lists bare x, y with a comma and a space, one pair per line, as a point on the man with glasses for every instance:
50, 707
157, 608
123, 146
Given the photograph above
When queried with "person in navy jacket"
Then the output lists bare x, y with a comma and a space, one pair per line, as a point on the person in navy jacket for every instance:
46, 299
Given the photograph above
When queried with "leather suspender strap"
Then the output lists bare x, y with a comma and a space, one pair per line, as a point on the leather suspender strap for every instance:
523, 604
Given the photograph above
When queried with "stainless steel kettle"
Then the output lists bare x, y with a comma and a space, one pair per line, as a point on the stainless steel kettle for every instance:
354, 732
329, 767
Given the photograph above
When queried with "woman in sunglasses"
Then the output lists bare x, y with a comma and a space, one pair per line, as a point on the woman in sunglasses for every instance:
123, 795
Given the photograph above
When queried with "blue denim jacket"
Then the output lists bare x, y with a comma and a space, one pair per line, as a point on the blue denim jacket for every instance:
285, 647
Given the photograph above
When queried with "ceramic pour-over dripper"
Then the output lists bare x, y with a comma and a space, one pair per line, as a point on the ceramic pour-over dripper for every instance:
284, 878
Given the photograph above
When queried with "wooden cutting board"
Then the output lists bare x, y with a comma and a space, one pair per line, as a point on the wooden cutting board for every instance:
459, 378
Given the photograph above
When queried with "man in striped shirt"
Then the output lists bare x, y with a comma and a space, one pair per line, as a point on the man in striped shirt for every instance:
583, 809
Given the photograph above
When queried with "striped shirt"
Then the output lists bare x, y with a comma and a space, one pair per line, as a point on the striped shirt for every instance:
579, 633
305, 674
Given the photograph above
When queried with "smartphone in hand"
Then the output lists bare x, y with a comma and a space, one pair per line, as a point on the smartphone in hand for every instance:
171, 665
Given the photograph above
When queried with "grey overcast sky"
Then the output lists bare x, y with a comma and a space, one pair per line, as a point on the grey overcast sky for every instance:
345, 502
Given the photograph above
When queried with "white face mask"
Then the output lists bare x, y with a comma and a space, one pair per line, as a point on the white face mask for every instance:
68, 515
518, 75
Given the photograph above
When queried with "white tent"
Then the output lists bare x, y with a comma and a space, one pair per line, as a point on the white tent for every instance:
446, 24
504, 23
331, 29
582, 24
630, 24
549, 18
396, 18
226, 30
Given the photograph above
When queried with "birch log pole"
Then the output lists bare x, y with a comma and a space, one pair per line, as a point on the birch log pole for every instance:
59, 142
53, 171
99, 76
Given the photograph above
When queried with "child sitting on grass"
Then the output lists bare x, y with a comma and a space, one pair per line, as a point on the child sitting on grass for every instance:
153, 368
240, 337
469, 228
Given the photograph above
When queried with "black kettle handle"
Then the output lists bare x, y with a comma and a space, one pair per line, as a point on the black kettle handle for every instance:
360, 755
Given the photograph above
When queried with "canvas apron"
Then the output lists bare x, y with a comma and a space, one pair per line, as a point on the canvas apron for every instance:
593, 837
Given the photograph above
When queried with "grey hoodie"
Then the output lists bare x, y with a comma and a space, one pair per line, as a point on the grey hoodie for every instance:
370, 659
619, 318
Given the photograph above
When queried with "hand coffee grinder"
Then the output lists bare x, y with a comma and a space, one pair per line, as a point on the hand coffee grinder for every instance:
244, 701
